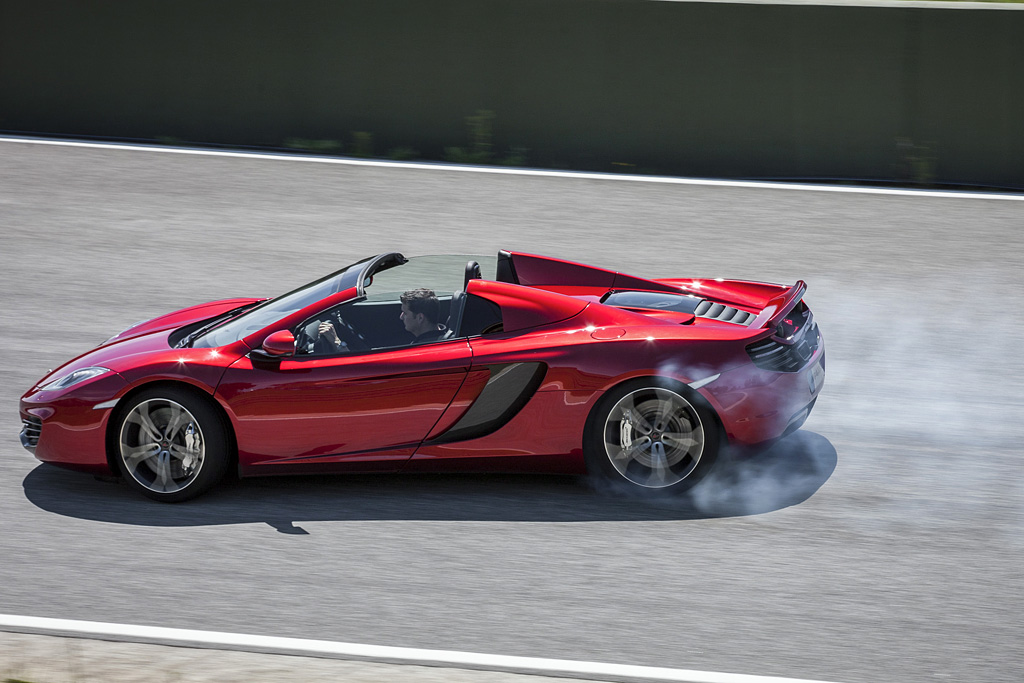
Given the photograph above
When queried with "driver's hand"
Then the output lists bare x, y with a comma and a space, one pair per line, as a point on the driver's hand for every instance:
326, 329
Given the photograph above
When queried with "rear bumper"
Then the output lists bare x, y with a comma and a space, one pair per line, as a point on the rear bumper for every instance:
758, 405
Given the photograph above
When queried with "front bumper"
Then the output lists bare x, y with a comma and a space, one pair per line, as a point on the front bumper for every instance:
31, 427
68, 428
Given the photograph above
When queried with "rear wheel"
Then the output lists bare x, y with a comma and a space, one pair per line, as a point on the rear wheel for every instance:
172, 445
653, 435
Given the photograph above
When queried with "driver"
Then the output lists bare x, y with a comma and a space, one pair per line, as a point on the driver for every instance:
420, 311
328, 332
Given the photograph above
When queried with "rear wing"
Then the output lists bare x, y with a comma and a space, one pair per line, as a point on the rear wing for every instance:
780, 306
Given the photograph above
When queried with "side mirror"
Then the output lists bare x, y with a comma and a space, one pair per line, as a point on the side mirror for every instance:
280, 343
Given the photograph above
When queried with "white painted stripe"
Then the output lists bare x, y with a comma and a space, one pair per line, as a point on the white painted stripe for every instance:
704, 382
379, 653
922, 4
501, 170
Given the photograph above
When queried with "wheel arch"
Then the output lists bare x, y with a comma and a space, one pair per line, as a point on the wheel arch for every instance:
116, 413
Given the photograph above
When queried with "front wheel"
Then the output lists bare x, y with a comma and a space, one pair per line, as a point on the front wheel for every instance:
653, 435
172, 445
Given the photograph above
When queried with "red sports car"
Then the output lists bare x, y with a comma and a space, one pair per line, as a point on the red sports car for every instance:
423, 365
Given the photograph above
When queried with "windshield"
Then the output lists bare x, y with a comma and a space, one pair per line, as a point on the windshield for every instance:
443, 274
273, 310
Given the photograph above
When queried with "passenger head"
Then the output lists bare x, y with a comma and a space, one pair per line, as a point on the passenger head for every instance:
420, 310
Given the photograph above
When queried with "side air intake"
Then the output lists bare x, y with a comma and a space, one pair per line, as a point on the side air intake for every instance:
509, 389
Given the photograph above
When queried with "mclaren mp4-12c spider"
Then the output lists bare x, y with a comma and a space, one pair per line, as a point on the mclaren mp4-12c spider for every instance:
545, 366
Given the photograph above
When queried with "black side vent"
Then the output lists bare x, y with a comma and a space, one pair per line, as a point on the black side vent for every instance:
30, 429
727, 314
774, 356
507, 391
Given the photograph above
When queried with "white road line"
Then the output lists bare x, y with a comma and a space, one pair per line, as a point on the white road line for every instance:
499, 170
377, 653
924, 4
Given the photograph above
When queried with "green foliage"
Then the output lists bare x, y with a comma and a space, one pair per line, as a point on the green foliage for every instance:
480, 128
481, 132
317, 146
362, 144
460, 155
403, 154
516, 157
480, 151
915, 163
481, 135
633, 169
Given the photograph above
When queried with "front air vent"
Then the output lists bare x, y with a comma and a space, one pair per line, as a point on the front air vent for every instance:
30, 430
774, 356
723, 313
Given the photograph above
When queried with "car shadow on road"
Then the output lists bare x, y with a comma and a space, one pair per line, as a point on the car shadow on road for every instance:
787, 474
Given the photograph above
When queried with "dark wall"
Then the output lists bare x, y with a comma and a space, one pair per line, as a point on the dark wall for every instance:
713, 89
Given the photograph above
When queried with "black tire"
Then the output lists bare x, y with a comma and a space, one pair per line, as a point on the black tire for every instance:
170, 445
651, 436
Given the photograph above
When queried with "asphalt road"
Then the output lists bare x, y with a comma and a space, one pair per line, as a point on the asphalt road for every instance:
883, 542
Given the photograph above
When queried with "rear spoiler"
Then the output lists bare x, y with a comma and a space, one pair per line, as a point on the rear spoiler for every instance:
780, 306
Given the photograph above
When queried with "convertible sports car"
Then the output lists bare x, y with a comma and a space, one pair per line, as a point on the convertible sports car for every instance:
551, 366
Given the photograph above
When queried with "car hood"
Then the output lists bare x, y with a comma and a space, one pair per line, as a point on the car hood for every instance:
179, 318
124, 351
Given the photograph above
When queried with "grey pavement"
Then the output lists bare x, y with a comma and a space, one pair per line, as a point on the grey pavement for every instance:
50, 659
883, 542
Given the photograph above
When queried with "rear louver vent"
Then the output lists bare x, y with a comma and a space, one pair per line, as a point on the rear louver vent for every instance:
771, 355
30, 429
727, 314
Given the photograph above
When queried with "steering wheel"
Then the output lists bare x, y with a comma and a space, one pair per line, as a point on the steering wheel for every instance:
302, 340
348, 334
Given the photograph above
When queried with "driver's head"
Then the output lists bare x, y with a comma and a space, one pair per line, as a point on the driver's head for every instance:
420, 311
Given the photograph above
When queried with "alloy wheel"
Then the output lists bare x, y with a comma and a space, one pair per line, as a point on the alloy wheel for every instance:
162, 445
654, 437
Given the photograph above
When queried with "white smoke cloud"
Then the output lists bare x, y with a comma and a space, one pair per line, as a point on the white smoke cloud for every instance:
919, 423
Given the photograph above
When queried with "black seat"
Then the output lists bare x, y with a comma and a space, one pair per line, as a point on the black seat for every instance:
458, 305
472, 272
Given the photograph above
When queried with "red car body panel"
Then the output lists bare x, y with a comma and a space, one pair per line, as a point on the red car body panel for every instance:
757, 407
523, 308
472, 386
541, 271
75, 431
546, 416
172, 321
341, 408
425, 407
742, 293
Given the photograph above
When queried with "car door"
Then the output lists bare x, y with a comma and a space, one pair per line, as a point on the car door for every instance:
359, 411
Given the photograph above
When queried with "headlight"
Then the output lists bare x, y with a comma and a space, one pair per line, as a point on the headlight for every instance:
65, 381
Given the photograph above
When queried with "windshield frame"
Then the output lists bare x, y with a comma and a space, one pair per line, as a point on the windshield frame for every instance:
289, 303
